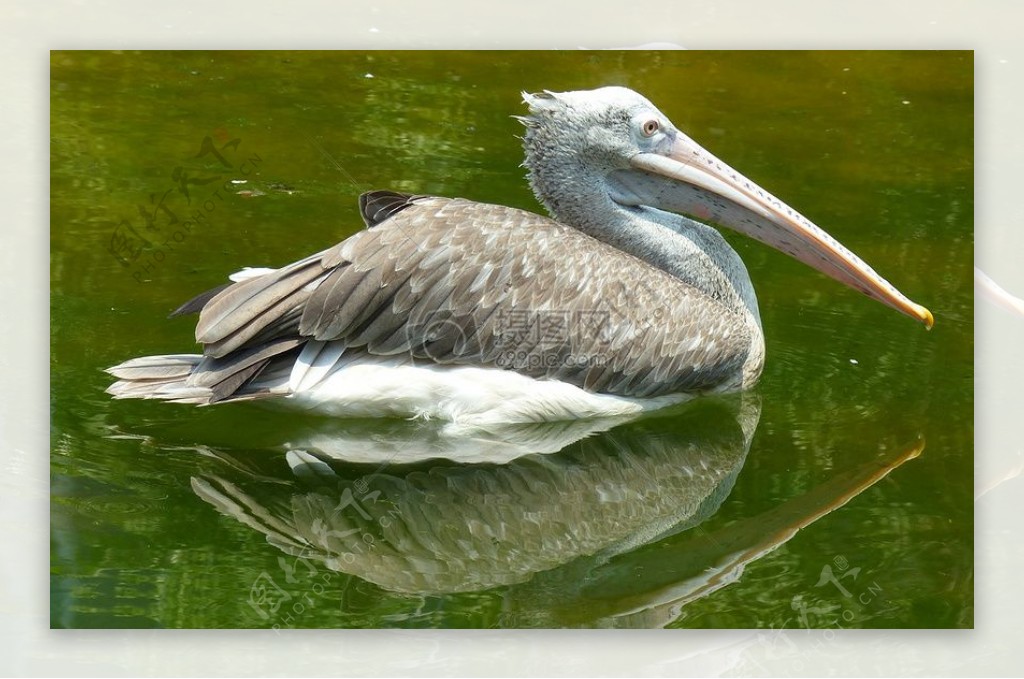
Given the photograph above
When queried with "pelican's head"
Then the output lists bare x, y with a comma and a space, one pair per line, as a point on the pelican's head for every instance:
602, 128
614, 141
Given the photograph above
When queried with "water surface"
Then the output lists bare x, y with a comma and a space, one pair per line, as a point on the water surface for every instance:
838, 494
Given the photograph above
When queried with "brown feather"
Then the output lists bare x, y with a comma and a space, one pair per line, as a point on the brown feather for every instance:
468, 283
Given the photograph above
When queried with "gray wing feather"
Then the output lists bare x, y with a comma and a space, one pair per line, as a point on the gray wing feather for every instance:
247, 305
459, 282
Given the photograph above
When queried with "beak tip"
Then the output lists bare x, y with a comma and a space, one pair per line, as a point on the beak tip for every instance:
927, 318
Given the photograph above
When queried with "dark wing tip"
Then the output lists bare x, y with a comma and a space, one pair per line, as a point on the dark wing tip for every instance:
196, 304
378, 206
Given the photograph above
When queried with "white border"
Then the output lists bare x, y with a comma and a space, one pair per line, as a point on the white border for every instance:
31, 28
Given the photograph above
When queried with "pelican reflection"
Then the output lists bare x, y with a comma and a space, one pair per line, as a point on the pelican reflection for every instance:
558, 529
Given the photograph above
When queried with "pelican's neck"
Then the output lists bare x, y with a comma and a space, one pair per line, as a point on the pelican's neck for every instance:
693, 252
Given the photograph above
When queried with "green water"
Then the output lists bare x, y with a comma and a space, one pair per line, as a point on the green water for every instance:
838, 494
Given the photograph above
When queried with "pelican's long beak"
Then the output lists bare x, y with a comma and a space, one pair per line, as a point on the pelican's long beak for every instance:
708, 189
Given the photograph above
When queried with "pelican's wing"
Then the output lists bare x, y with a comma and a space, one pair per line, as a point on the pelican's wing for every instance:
458, 282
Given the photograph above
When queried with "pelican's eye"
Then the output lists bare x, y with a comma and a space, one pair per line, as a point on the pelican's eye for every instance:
649, 127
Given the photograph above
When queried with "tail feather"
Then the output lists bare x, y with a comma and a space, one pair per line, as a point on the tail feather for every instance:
160, 377
156, 367
179, 378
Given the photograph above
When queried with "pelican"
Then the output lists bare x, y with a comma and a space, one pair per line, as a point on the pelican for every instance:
473, 313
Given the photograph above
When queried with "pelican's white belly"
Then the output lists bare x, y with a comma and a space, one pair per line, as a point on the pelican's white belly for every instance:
368, 386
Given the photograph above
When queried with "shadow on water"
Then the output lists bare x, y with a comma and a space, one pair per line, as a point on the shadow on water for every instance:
602, 530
